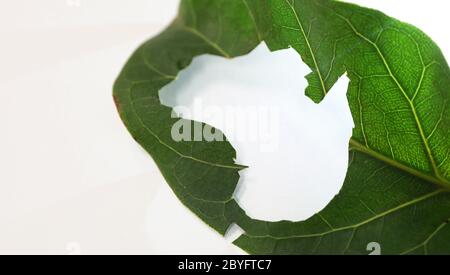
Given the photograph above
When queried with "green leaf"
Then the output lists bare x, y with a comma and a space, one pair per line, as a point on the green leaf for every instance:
397, 188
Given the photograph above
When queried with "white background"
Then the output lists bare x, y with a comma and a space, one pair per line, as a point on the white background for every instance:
73, 181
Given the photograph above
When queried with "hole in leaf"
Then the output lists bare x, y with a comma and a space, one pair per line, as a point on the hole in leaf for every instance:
296, 150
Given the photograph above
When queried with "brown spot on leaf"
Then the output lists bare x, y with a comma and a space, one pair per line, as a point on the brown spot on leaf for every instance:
116, 102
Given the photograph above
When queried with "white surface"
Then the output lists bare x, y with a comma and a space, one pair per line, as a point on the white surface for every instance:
72, 180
